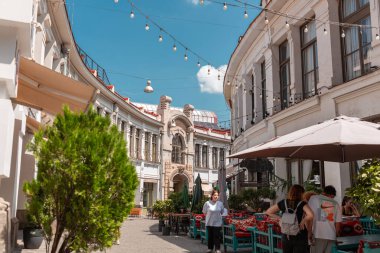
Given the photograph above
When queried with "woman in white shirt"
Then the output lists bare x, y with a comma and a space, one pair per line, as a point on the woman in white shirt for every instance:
213, 209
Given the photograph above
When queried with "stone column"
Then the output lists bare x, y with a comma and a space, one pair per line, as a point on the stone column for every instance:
142, 141
200, 155
133, 139
329, 49
150, 158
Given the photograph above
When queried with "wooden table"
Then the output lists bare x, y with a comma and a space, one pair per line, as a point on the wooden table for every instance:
352, 242
179, 220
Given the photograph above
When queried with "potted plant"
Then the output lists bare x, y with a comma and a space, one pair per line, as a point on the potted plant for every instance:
33, 236
158, 210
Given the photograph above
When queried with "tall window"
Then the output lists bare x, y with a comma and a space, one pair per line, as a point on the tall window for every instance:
131, 142
204, 157
284, 74
253, 97
196, 156
177, 147
214, 158
264, 90
309, 59
357, 42
154, 148
221, 155
122, 126
137, 143
147, 148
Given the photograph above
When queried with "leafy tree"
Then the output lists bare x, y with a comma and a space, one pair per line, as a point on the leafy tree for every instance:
85, 182
366, 190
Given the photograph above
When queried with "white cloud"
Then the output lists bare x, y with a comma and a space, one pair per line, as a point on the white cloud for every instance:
209, 82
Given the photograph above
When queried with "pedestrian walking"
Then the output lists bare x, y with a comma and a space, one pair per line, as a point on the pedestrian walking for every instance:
295, 222
327, 219
213, 209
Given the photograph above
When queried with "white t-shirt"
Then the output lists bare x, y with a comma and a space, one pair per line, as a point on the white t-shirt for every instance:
213, 213
326, 213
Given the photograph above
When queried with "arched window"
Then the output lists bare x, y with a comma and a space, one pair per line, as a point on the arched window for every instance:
177, 148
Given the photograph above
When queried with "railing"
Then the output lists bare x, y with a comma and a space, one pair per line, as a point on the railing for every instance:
93, 67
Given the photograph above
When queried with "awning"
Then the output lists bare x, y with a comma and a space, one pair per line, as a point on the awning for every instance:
46, 90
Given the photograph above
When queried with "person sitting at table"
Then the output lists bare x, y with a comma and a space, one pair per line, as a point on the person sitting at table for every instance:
349, 208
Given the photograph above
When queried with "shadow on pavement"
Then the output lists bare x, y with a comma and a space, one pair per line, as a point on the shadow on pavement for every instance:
184, 241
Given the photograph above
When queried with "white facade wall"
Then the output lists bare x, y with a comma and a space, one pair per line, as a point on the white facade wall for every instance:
359, 97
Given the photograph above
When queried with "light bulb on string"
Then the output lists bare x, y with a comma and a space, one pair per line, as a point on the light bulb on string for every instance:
343, 34
174, 47
377, 34
116, 1
306, 29
185, 57
132, 15
287, 24
160, 39
198, 64
218, 76
245, 14
208, 70
147, 27
225, 6
266, 18
325, 31
228, 82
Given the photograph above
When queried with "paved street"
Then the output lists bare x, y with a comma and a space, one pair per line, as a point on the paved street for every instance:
141, 235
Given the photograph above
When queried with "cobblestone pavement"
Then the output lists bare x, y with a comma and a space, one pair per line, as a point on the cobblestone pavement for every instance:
140, 235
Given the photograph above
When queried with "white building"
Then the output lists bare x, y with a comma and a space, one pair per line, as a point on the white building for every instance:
297, 65
42, 68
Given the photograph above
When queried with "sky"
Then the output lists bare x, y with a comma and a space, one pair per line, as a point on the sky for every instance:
131, 55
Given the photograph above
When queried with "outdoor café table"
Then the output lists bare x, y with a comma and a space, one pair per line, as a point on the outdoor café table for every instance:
177, 220
352, 242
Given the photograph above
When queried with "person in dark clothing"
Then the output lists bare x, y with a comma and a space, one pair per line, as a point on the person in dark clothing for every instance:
295, 243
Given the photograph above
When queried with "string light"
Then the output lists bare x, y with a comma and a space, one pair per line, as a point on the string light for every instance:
225, 6
132, 15
160, 39
287, 24
325, 31
377, 34
116, 1
266, 18
228, 82
245, 14
198, 64
185, 57
306, 29
208, 70
147, 27
343, 34
174, 47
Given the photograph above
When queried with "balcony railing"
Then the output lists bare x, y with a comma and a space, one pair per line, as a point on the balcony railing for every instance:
93, 67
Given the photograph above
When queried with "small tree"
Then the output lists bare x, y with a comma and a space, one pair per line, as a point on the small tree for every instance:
366, 190
85, 182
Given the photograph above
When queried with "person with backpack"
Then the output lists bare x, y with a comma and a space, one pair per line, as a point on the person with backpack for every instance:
295, 222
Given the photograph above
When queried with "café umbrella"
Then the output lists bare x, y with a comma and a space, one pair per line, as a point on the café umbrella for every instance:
341, 139
197, 193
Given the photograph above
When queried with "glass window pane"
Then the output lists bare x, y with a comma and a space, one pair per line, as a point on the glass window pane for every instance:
284, 52
366, 31
349, 6
308, 59
311, 34
309, 84
366, 58
363, 2
351, 40
353, 65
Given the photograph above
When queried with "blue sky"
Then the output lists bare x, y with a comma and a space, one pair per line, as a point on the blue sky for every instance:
124, 48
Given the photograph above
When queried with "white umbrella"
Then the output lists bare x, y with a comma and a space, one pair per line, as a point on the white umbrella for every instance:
342, 139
